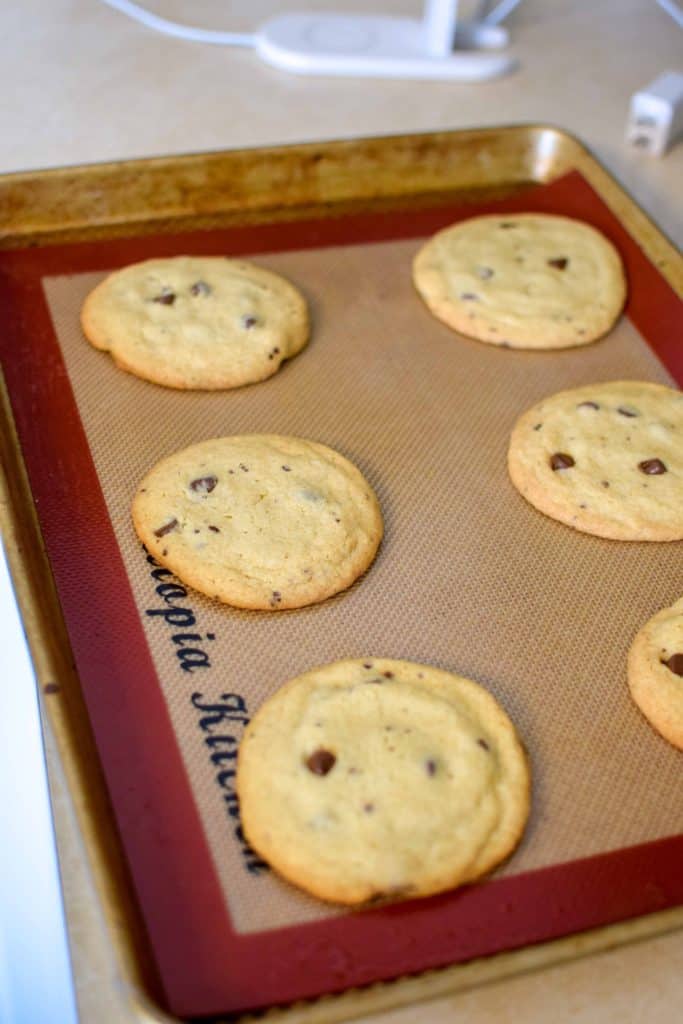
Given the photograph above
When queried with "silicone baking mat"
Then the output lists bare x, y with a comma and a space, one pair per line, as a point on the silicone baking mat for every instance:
469, 577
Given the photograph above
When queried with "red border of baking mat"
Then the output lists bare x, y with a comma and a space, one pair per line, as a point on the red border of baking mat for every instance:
205, 966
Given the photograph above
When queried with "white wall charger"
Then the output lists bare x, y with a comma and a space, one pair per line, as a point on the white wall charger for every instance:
655, 118
437, 47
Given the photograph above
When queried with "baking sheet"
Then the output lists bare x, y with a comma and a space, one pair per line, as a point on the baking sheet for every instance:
469, 577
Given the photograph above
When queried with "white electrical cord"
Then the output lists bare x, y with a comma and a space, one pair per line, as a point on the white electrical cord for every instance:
673, 9
174, 28
205, 35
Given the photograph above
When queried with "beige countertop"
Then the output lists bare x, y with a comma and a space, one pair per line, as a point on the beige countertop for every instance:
84, 84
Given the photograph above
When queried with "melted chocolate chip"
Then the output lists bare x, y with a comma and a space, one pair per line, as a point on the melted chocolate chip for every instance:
653, 467
214, 529
201, 288
469, 297
388, 675
538, 426
430, 766
320, 761
605, 483
508, 224
483, 743
203, 484
245, 469
561, 461
588, 405
627, 412
249, 322
367, 664
166, 297
287, 469
484, 273
368, 808
166, 528
675, 664
275, 598
559, 264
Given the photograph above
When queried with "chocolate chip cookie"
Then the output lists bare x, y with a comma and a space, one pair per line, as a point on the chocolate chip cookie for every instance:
655, 672
606, 459
260, 521
197, 322
526, 280
378, 779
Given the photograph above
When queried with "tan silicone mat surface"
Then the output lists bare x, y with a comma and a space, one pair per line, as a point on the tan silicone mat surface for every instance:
469, 576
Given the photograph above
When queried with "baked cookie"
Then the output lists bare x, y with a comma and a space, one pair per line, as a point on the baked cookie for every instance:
655, 672
197, 322
606, 459
373, 779
259, 521
522, 280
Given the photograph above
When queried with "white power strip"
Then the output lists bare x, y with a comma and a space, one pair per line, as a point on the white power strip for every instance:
437, 47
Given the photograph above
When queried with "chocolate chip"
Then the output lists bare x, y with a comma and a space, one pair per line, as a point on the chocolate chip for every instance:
588, 405
469, 297
276, 351
287, 469
245, 469
675, 664
249, 321
388, 675
320, 761
538, 426
430, 766
483, 743
605, 483
214, 529
508, 224
367, 664
166, 528
166, 297
560, 264
484, 273
275, 598
203, 484
368, 808
627, 412
201, 288
561, 461
653, 467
